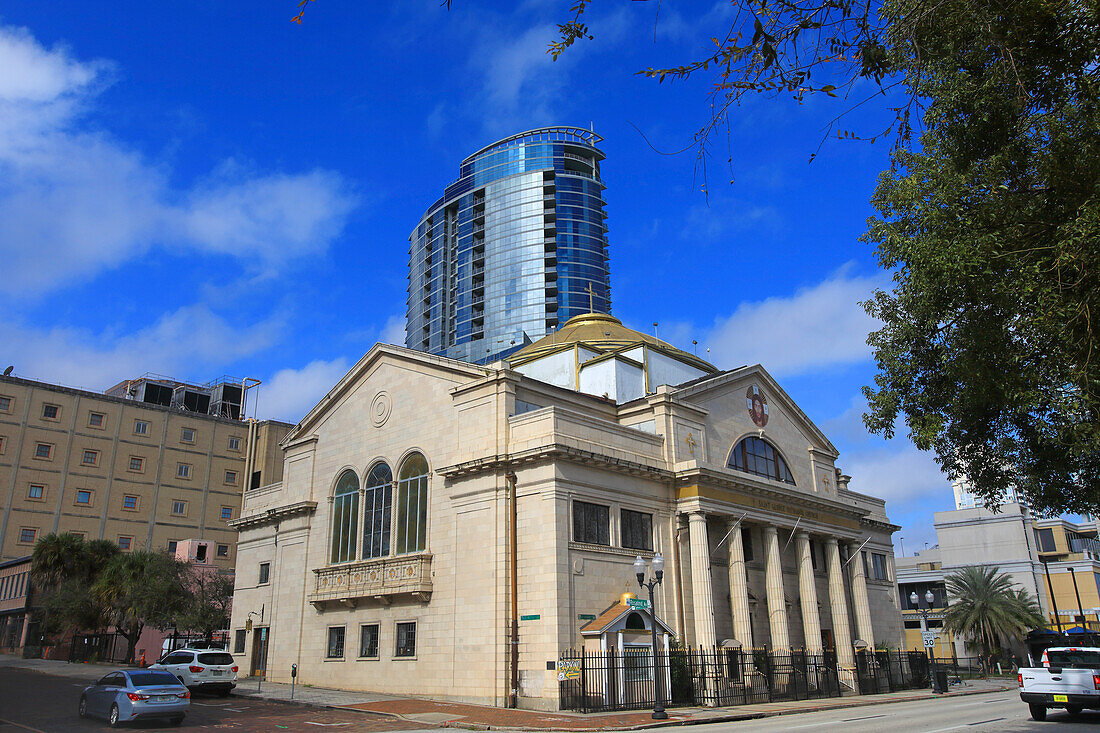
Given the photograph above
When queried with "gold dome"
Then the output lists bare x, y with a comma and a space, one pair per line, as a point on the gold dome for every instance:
603, 333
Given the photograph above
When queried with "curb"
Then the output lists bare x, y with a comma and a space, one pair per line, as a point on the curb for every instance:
856, 701
730, 718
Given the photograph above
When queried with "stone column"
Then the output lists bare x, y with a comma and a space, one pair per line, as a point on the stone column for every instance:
701, 591
859, 596
739, 590
807, 594
842, 634
777, 603
702, 595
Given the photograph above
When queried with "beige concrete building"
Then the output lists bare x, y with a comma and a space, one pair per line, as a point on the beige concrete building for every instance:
382, 561
1055, 560
144, 475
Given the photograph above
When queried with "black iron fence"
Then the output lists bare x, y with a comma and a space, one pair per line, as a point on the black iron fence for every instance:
109, 648
626, 680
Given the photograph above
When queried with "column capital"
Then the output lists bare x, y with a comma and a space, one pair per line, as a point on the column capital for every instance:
696, 514
770, 529
832, 542
800, 534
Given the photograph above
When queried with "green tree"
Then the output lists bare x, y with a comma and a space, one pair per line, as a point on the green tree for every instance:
987, 609
58, 563
988, 348
141, 589
210, 599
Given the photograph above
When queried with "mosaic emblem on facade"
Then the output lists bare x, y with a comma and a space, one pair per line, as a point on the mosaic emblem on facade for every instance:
380, 409
758, 406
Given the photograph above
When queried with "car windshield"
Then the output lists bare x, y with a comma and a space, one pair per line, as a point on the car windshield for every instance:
1074, 658
215, 658
141, 679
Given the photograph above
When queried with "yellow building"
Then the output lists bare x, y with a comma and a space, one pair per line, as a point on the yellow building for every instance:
128, 470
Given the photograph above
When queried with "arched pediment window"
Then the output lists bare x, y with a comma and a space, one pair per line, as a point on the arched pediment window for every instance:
757, 456
412, 505
377, 500
345, 517
635, 622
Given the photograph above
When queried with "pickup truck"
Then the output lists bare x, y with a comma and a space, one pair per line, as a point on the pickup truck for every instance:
1069, 678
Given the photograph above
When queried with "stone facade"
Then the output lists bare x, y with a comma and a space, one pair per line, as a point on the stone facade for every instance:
597, 483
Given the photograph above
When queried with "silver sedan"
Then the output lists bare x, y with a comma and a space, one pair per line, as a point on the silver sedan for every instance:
135, 694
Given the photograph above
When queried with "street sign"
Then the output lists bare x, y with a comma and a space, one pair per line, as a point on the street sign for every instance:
530, 617
929, 638
638, 604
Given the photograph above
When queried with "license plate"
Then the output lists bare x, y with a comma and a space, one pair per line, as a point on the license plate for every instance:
164, 698
219, 672
1061, 698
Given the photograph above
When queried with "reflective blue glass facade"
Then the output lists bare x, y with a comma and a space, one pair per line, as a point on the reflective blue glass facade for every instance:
514, 247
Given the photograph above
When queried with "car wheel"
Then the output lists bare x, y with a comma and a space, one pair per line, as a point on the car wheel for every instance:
1074, 710
82, 711
113, 719
1038, 712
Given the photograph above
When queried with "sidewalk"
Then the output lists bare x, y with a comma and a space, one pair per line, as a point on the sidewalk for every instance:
480, 717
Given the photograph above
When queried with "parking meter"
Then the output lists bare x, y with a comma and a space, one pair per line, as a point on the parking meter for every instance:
293, 671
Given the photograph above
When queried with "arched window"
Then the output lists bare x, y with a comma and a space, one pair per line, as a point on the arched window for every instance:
412, 505
635, 622
754, 455
345, 517
376, 512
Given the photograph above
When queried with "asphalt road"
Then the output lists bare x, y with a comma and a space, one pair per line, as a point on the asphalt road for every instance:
997, 711
41, 703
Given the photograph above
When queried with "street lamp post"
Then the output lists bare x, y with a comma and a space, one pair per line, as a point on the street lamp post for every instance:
658, 573
914, 599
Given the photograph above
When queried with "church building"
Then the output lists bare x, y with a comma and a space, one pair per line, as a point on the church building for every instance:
446, 529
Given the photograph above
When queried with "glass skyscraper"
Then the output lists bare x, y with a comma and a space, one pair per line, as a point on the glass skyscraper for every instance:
514, 247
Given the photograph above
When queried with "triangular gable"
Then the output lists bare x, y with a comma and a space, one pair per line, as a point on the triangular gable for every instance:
612, 615
378, 353
722, 379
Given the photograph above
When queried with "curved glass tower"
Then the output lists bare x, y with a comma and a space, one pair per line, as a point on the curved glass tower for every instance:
514, 247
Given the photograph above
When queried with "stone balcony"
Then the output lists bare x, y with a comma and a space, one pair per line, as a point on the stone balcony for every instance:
381, 579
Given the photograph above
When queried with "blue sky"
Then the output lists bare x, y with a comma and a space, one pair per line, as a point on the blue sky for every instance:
199, 188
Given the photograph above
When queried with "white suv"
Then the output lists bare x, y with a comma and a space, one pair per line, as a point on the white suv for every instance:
201, 669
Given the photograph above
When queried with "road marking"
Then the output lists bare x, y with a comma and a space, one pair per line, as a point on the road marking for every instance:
983, 722
815, 725
237, 710
865, 717
20, 725
329, 725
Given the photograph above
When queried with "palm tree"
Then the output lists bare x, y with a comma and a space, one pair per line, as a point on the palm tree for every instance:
56, 557
987, 608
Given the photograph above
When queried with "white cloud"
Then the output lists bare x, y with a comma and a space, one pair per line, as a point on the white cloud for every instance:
520, 77
291, 393
817, 327
899, 476
179, 344
394, 331
75, 201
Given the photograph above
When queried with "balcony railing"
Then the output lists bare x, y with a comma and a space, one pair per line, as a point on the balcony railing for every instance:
380, 579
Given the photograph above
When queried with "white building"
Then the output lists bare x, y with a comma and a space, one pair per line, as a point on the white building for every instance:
384, 559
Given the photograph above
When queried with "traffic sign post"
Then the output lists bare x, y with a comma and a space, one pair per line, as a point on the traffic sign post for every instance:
929, 638
638, 604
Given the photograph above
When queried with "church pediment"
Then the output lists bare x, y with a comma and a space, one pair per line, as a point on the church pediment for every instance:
380, 354
748, 403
